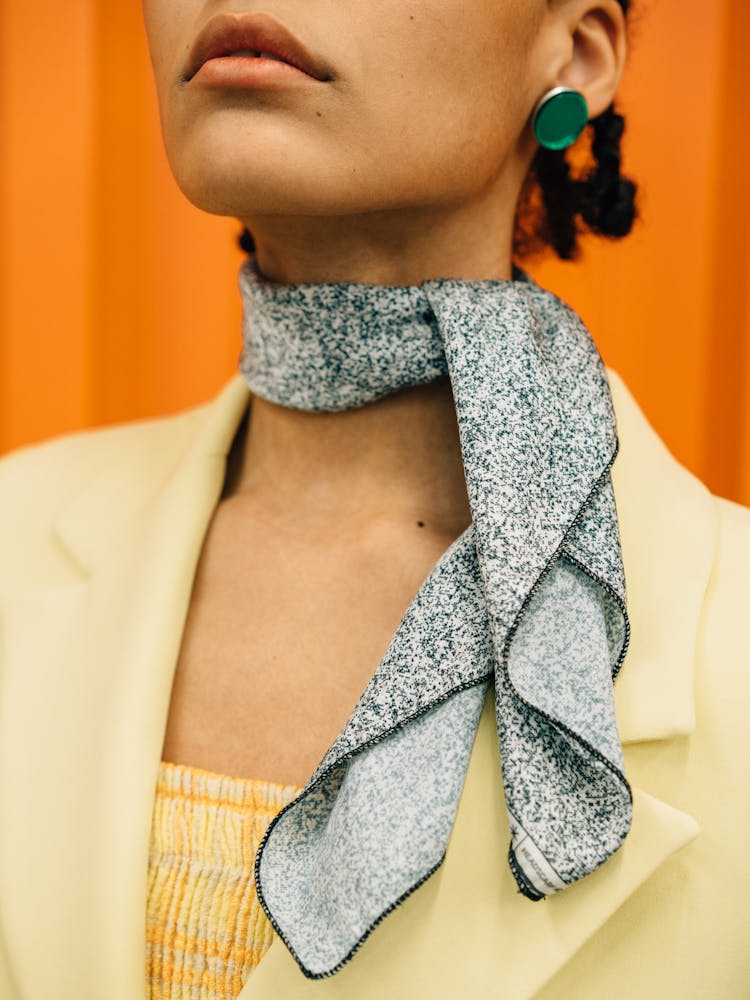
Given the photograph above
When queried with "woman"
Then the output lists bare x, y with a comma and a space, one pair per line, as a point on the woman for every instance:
358, 619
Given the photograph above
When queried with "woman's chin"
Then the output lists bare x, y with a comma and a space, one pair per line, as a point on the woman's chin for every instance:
228, 182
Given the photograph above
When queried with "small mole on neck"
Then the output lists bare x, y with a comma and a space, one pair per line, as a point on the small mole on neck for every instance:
420, 524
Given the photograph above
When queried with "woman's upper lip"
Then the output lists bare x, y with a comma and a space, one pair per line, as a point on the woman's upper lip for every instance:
228, 32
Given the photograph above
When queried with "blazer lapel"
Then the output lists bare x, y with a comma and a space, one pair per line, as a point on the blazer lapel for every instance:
95, 665
135, 534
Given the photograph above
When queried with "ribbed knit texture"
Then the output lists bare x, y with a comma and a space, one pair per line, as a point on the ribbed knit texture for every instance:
205, 930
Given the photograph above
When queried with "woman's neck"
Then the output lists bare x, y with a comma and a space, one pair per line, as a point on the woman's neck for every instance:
396, 457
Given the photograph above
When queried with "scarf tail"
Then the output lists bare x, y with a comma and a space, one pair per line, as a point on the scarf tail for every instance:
530, 595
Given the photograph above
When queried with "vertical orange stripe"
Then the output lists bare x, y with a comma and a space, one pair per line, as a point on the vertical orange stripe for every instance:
168, 307
726, 432
743, 493
46, 180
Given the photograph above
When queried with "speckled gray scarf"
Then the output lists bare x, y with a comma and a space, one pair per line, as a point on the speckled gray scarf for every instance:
529, 599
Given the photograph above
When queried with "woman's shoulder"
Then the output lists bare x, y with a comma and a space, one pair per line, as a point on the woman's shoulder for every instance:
727, 596
77, 454
66, 460
38, 480
686, 549
646, 458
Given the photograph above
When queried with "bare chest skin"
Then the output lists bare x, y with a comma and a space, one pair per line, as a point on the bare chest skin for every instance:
286, 624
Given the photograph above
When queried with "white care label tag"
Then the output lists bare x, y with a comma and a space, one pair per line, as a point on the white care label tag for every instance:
535, 866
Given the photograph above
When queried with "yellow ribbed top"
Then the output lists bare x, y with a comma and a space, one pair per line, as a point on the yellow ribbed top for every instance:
205, 929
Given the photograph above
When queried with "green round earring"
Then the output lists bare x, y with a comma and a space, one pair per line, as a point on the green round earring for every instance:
559, 117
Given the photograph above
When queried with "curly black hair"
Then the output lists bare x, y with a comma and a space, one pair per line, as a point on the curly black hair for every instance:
555, 206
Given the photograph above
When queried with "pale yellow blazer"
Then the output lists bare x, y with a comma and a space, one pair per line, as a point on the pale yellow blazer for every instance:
100, 534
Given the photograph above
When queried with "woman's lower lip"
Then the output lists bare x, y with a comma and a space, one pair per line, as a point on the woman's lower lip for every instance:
251, 72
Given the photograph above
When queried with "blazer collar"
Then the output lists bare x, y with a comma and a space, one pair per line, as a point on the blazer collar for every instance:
666, 563
135, 533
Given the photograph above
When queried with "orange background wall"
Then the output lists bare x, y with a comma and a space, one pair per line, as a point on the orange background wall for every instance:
119, 300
